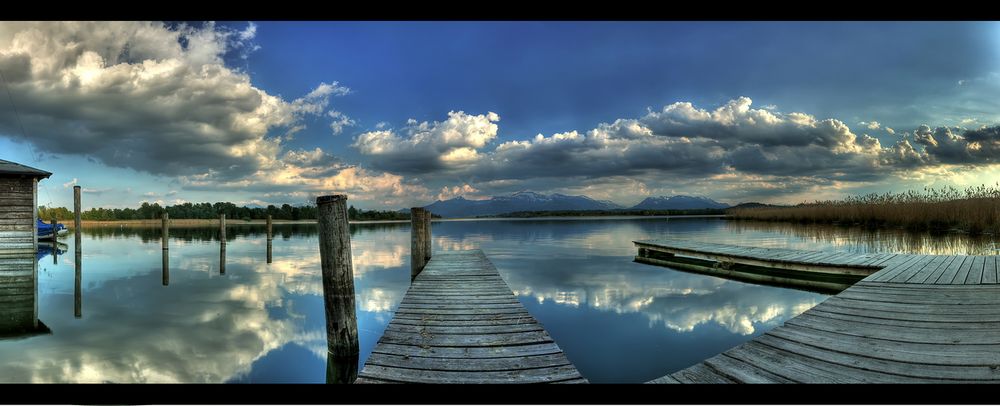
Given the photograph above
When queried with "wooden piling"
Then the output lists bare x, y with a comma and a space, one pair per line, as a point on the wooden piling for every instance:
76, 217
341, 370
78, 256
418, 241
165, 230
222, 228
338, 278
270, 236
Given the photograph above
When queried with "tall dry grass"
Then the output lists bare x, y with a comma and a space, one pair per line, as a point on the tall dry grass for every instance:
975, 210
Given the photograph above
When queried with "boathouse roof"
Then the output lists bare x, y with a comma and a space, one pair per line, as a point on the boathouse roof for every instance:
14, 168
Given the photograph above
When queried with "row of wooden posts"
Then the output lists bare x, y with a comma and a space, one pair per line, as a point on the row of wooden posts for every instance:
336, 265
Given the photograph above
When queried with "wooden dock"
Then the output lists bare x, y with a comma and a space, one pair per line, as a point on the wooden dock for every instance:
914, 319
459, 322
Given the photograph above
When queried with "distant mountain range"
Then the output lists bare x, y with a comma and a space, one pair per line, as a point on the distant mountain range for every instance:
679, 202
520, 201
531, 201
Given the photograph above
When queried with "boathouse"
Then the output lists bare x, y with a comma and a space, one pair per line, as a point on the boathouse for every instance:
19, 208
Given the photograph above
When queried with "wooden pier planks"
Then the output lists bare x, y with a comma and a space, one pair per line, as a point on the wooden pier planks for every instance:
920, 319
837, 263
459, 322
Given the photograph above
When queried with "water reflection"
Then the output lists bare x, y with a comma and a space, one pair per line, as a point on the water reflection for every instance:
263, 320
166, 267
19, 298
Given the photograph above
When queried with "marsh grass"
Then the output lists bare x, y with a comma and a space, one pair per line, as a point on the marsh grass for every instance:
975, 210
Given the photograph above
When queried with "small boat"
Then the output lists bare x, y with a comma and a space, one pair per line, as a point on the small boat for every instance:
50, 232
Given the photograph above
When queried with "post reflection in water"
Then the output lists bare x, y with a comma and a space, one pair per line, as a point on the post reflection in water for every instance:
269, 250
78, 282
222, 259
166, 268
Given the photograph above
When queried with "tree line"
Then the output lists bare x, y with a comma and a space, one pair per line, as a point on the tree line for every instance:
153, 211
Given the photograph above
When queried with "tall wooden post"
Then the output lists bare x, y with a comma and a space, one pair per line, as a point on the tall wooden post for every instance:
78, 257
338, 279
76, 216
418, 244
222, 246
165, 230
270, 236
222, 228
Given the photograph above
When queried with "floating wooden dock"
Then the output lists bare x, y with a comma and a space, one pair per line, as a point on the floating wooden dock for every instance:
459, 322
914, 319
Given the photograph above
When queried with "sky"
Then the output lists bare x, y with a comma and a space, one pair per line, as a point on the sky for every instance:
400, 114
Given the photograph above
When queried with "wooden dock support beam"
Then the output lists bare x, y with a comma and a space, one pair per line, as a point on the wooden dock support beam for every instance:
419, 240
338, 286
78, 256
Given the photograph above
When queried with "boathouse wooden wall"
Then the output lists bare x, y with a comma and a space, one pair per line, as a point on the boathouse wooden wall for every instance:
18, 210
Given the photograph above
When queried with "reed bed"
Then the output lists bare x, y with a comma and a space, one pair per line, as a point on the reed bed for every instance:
974, 210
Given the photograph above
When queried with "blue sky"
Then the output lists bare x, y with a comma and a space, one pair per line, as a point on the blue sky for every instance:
397, 114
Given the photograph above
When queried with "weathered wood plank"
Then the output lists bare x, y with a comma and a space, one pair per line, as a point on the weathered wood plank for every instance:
665, 379
923, 273
457, 364
700, 373
468, 353
743, 372
522, 315
890, 366
891, 349
963, 271
990, 270
890, 272
460, 330
898, 333
976, 272
934, 276
537, 375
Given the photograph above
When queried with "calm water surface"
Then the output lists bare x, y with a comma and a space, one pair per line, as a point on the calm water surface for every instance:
617, 320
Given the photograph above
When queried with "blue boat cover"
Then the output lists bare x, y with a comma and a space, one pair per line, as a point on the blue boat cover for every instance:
46, 229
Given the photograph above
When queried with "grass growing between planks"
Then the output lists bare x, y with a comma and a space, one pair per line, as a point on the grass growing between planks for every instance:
974, 210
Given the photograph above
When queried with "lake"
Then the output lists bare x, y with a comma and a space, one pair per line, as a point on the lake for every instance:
254, 322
